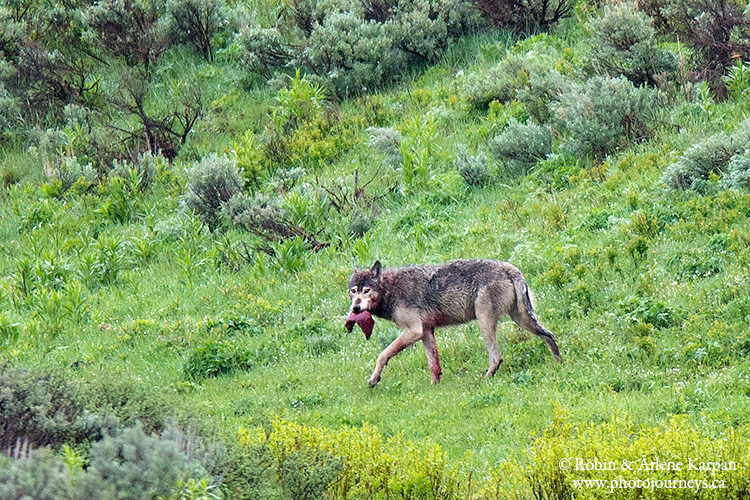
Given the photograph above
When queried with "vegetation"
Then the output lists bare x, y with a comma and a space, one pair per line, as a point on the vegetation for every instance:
186, 186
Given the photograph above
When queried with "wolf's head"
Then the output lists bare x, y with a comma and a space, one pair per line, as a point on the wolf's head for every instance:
364, 289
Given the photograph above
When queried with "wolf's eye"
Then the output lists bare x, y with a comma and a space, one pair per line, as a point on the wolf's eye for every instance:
366, 290
353, 290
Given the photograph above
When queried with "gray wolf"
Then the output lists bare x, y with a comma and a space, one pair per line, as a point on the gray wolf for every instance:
421, 298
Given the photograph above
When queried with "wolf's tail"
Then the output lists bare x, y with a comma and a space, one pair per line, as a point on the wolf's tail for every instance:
528, 318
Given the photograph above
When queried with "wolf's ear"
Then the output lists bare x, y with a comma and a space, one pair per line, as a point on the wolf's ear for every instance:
376, 268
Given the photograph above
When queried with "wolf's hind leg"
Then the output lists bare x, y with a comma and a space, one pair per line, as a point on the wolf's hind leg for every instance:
530, 323
407, 338
487, 321
431, 350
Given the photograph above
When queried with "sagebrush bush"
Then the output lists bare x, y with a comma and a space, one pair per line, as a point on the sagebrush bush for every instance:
519, 146
134, 465
603, 113
473, 168
212, 183
144, 169
39, 476
624, 43
41, 408
386, 141
738, 172
352, 48
713, 155
525, 16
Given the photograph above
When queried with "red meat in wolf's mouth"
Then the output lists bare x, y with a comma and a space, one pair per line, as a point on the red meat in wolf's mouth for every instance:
363, 319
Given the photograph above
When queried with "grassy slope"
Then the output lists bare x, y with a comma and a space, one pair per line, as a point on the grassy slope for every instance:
570, 235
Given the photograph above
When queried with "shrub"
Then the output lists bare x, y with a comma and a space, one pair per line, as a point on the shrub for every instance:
713, 155
212, 183
39, 476
135, 465
624, 44
126, 401
717, 31
307, 474
131, 29
526, 16
264, 50
386, 141
520, 145
370, 464
269, 222
529, 78
602, 113
40, 408
196, 22
473, 168
738, 172
352, 47
144, 170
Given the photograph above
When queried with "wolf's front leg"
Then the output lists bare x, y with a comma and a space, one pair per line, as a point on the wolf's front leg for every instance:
407, 338
431, 350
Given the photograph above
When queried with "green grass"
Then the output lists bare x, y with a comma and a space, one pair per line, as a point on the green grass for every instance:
646, 289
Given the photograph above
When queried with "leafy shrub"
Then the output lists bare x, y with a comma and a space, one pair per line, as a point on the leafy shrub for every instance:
737, 79
717, 31
134, 465
738, 172
264, 50
520, 145
473, 168
40, 408
141, 172
250, 472
712, 155
351, 47
39, 476
131, 29
525, 16
528, 77
539, 474
269, 222
307, 474
369, 463
602, 113
126, 401
624, 44
212, 183
196, 22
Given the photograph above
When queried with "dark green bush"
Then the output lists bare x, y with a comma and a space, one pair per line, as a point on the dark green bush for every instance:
525, 16
306, 474
529, 78
133, 465
219, 357
624, 43
351, 47
212, 183
39, 476
473, 168
196, 22
714, 155
519, 146
603, 113
125, 400
40, 407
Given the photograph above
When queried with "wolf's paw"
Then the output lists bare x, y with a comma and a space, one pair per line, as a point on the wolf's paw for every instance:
373, 381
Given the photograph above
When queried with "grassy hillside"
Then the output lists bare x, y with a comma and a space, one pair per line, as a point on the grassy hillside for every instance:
636, 251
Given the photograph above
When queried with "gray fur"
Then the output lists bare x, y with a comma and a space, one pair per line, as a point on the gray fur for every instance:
421, 298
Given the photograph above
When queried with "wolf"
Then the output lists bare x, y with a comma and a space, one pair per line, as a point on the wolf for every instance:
419, 299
